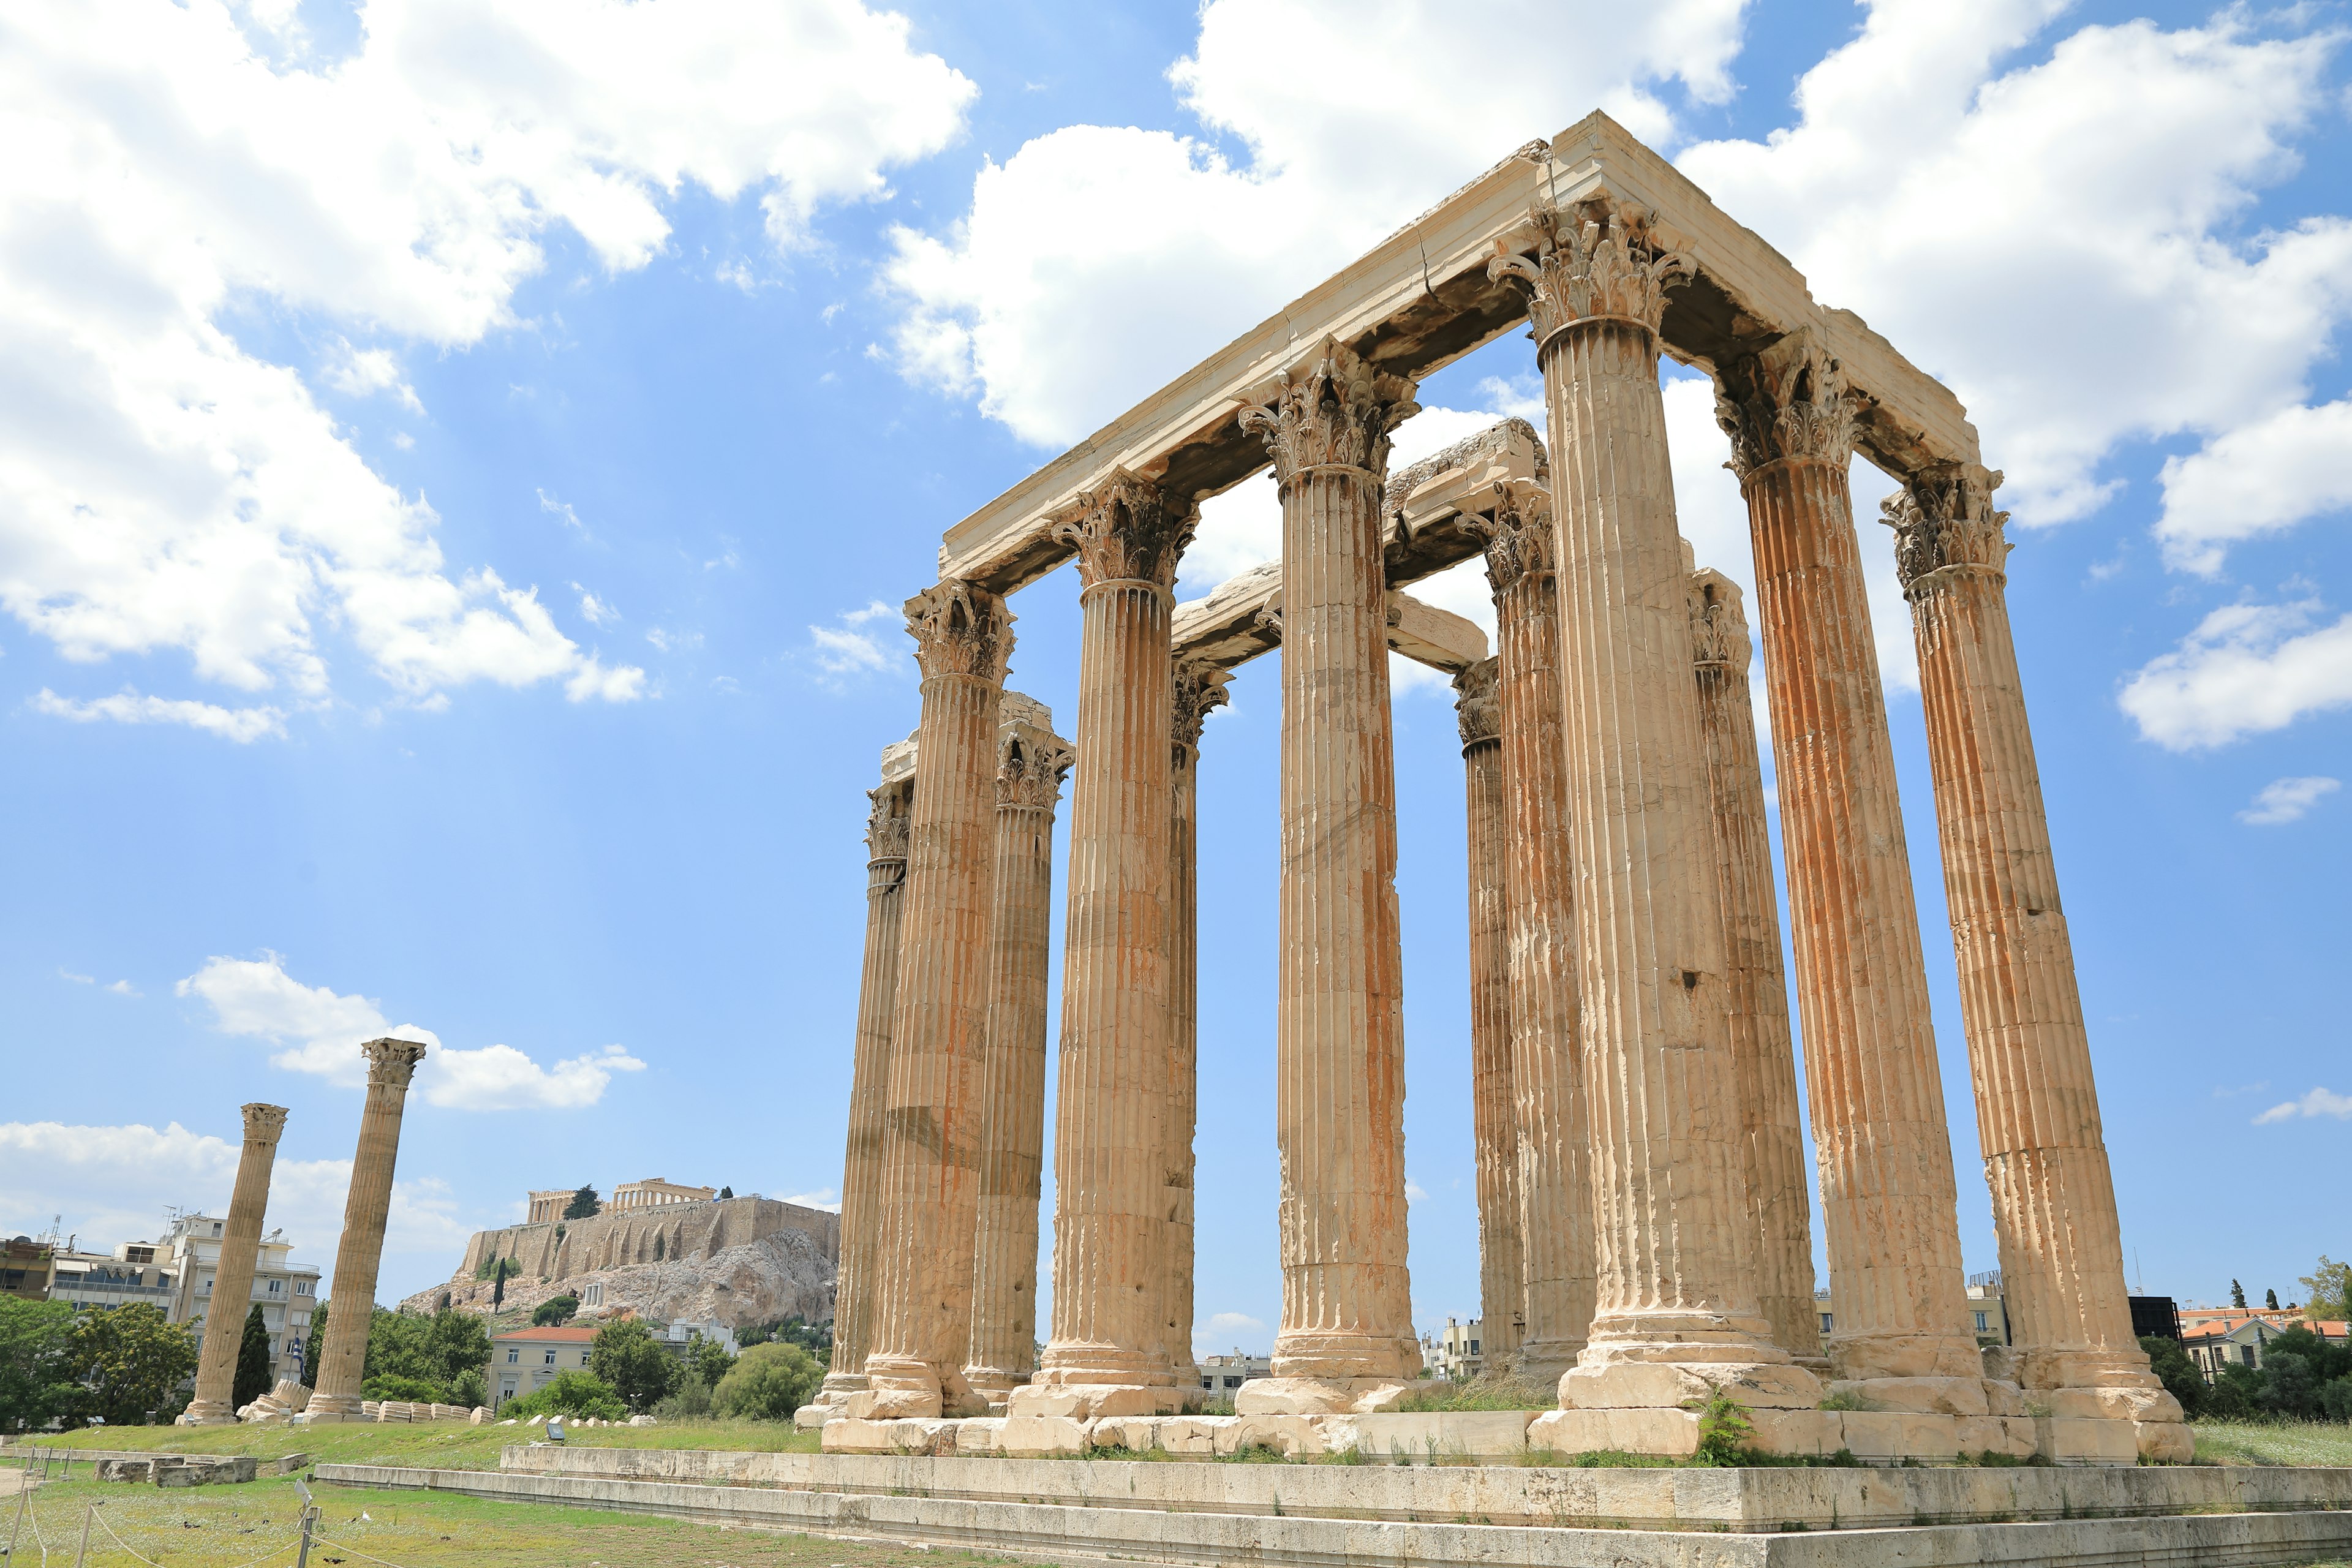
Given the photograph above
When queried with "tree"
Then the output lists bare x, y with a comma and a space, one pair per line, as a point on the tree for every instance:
407, 1390
726, 1193
2270, 1299
768, 1383
2328, 1291
255, 1371
572, 1392
498, 1291
2237, 1294
128, 1361
709, 1361
314, 1342
556, 1311
583, 1204
626, 1358
35, 1337
2180, 1374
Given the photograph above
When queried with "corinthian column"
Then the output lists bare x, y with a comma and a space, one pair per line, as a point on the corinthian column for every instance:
2053, 1200
1347, 1323
214, 1403
1200, 688
1493, 1107
922, 1304
341, 1365
1887, 1196
1030, 762
1107, 1355
1675, 1297
877, 989
1547, 1069
1772, 1148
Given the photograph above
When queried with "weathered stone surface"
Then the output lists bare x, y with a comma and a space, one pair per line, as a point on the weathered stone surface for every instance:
1494, 1102
233, 1278
391, 1064
1200, 688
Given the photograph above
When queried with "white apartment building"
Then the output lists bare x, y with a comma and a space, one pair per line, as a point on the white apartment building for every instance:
286, 1292
1457, 1352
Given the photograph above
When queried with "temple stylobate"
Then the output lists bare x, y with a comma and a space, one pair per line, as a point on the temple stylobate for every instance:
1645, 1213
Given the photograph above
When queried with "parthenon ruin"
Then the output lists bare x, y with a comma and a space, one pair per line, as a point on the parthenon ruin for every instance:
1645, 1224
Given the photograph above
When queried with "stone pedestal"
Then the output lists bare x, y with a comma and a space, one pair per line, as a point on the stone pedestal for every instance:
1493, 1104
921, 1312
1030, 762
231, 1299
1200, 688
1771, 1145
342, 1363
1887, 1192
878, 990
2053, 1200
1347, 1321
1546, 1067
1108, 1352
1675, 1300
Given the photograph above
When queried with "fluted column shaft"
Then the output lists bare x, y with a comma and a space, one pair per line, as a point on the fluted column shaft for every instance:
1339, 1029
1547, 1067
1110, 1136
1772, 1145
1675, 1300
1877, 1102
1031, 761
359, 1251
2045, 1157
929, 1192
214, 1400
861, 1175
1198, 688
1493, 1105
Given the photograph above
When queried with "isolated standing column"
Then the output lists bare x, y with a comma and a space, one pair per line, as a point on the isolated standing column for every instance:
922, 1303
341, 1365
1346, 1324
2053, 1198
1493, 1107
1676, 1295
225, 1315
1772, 1145
1030, 762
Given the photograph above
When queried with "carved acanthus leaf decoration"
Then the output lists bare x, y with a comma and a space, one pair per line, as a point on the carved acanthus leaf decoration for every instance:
1127, 530
1594, 259
1030, 769
1791, 402
887, 823
1944, 520
1477, 704
1335, 410
392, 1063
1518, 534
264, 1123
1718, 626
960, 628
1200, 689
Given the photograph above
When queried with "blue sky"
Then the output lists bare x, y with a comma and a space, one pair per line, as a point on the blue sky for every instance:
447, 468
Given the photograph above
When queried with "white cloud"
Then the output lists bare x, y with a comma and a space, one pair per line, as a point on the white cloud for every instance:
162, 488
2262, 477
77, 979
321, 1033
1058, 320
1413, 1190
825, 1198
123, 988
1220, 1331
623, 683
2318, 1102
562, 510
594, 610
2288, 800
847, 648
127, 707
2245, 669
672, 642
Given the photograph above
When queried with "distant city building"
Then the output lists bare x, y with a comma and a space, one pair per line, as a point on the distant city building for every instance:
26, 1268
1222, 1376
679, 1337
286, 1292
524, 1361
655, 1193
1982, 1305
1458, 1350
135, 1271
2217, 1339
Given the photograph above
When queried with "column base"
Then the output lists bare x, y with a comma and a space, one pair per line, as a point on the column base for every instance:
208, 1413
901, 1388
1541, 1363
1319, 1396
1675, 1360
2089, 1384
1927, 1374
1086, 1401
994, 1385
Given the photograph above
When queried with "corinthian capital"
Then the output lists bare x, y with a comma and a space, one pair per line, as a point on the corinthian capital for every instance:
1718, 625
263, 1123
1200, 688
1791, 401
1944, 521
887, 823
1477, 708
960, 628
1127, 530
1518, 534
1030, 768
392, 1063
1593, 260
1333, 410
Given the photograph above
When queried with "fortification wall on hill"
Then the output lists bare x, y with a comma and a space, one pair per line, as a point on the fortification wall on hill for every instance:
677, 1233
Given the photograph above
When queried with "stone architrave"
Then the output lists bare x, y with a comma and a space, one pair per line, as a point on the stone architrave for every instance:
1200, 688
2045, 1158
342, 1363
1547, 1067
225, 1315
1031, 761
877, 988
1107, 1354
1888, 1199
1772, 1145
1675, 1315
921, 1312
1494, 1107
1347, 1336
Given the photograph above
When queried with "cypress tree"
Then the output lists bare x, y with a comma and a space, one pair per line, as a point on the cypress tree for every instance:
254, 1376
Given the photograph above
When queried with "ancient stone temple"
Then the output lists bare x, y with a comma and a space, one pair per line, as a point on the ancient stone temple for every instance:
1646, 1208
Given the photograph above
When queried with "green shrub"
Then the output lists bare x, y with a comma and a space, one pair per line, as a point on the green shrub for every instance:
1724, 1432
554, 1312
407, 1390
768, 1383
2178, 1372
574, 1392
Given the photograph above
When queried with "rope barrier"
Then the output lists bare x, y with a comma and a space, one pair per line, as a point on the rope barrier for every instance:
126, 1545
322, 1541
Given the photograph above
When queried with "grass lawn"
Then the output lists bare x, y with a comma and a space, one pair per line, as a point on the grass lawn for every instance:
2273, 1443
427, 1445
235, 1526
